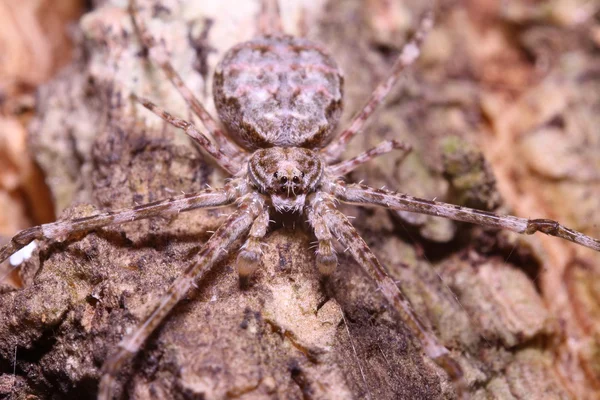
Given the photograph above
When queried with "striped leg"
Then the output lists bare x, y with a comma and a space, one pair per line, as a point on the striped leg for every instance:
159, 57
409, 53
350, 165
211, 253
63, 229
345, 233
227, 163
251, 252
325, 258
365, 195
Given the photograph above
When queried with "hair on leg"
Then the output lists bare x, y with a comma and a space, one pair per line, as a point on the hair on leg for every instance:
409, 53
211, 253
365, 195
345, 233
248, 258
158, 55
325, 256
382, 148
227, 163
175, 205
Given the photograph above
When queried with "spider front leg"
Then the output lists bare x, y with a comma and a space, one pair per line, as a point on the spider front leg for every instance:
325, 257
64, 229
333, 220
217, 247
158, 55
365, 195
251, 252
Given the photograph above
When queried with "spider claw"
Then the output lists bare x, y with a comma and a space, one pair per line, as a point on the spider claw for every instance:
326, 263
247, 262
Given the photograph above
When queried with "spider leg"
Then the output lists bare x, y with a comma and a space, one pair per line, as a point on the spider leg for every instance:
64, 229
159, 57
409, 53
365, 195
211, 253
251, 252
345, 233
350, 165
325, 257
227, 163
269, 19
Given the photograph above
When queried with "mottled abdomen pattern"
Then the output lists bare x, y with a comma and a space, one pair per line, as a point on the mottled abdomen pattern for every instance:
278, 91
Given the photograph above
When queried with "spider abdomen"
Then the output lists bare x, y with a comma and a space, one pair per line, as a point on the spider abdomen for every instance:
278, 91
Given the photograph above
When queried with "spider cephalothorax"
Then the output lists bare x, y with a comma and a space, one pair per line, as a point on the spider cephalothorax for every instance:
280, 99
286, 174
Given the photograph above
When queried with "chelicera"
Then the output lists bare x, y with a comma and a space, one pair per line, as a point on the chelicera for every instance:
280, 99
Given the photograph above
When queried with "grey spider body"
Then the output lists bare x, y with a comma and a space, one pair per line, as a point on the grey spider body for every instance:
284, 122
278, 91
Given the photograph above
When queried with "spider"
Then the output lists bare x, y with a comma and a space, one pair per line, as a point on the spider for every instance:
281, 151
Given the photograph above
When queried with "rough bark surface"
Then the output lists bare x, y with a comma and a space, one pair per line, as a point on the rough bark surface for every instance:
520, 314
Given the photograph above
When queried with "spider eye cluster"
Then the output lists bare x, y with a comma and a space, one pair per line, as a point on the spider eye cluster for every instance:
289, 181
283, 179
286, 171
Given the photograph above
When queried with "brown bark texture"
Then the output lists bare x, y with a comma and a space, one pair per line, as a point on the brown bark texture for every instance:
502, 110
34, 45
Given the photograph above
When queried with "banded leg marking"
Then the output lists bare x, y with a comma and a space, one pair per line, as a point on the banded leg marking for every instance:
227, 163
365, 195
64, 229
251, 252
409, 53
158, 56
350, 165
210, 254
348, 237
326, 258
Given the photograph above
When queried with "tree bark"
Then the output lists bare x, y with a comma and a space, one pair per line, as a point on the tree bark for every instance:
516, 312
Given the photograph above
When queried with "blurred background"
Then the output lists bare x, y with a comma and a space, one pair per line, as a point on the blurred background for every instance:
35, 42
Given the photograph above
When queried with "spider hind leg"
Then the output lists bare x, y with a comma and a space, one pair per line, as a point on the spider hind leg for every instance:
408, 55
269, 19
345, 167
159, 56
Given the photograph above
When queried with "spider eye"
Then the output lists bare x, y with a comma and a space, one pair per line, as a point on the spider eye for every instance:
284, 179
275, 175
296, 179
